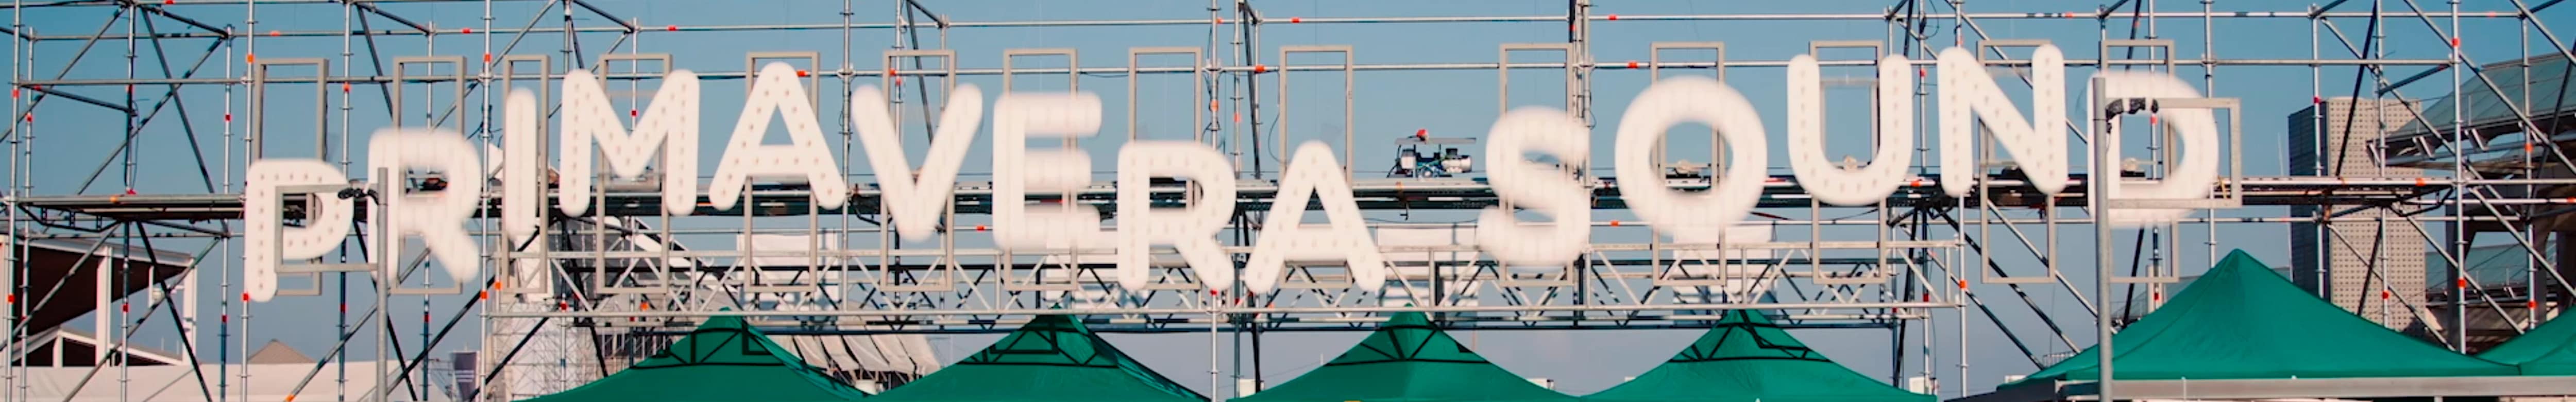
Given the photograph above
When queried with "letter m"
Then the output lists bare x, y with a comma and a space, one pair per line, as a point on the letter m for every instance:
670, 125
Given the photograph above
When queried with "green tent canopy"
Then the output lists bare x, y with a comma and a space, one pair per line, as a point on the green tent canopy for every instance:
1746, 358
1408, 360
1053, 358
2547, 350
724, 360
2243, 321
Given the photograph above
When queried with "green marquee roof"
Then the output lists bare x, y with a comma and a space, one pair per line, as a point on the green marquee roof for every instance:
1408, 360
2243, 321
724, 360
2547, 350
1746, 358
1053, 358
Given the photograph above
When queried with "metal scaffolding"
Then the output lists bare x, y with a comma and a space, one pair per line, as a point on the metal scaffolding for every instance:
625, 273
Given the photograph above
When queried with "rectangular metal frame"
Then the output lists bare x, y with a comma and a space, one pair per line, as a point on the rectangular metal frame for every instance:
947, 59
1655, 56
1036, 277
1985, 153
2166, 44
1655, 71
1350, 78
1877, 274
507, 261
402, 76
1503, 71
813, 81
1072, 65
1198, 88
309, 271
2230, 198
259, 80
600, 277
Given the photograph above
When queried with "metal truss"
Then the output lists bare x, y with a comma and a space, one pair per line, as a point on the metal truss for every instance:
625, 272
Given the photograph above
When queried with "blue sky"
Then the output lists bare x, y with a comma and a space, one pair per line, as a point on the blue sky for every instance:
71, 138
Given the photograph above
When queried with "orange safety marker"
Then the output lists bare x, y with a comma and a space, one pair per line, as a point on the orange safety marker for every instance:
250, 57
1632, 64
1614, 223
1614, 17
1296, 20
672, 28
469, 31
980, 228
1257, 69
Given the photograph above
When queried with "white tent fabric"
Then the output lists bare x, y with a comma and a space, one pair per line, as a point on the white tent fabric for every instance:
902, 353
266, 382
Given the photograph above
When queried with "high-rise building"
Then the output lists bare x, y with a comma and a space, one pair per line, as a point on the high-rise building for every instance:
2370, 261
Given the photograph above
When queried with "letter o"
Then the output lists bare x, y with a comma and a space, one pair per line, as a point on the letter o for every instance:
1702, 100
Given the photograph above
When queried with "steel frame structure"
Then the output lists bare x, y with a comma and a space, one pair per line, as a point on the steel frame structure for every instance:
621, 272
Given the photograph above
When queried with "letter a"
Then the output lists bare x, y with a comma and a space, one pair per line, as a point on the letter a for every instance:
775, 90
1313, 172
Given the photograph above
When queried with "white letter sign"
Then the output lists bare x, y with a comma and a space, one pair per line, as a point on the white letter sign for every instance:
1673, 101
1541, 187
1969, 96
1191, 229
671, 125
917, 198
804, 159
438, 217
266, 241
1284, 236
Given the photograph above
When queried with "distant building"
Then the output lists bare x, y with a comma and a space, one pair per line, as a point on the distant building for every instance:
2352, 261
